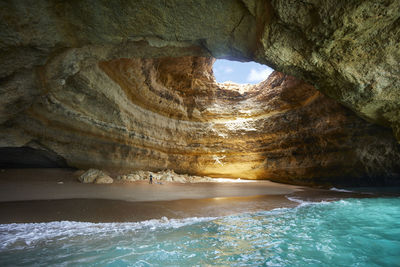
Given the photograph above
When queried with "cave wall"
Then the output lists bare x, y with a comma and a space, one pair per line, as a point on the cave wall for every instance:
349, 50
127, 85
169, 113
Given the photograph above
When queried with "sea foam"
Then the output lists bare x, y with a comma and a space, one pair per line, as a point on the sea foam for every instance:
21, 235
340, 190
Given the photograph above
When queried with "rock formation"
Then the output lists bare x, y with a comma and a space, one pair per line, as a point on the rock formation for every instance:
169, 113
128, 85
95, 176
164, 176
348, 49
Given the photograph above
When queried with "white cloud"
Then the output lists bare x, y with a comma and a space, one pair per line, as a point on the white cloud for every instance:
222, 69
258, 75
228, 70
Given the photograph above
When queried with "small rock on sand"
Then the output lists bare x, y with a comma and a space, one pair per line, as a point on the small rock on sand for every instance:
165, 176
104, 180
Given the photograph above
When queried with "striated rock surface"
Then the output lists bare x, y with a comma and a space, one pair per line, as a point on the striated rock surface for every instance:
169, 113
349, 50
128, 86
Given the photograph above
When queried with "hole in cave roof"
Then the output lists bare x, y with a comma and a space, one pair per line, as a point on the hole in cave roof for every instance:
240, 72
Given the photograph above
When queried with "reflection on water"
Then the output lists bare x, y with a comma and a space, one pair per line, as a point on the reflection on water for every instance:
362, 232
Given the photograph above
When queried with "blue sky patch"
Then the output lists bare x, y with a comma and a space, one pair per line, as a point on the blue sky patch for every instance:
240, 72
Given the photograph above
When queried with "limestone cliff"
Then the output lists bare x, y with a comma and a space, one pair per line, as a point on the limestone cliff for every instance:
169, 113
349, 50
128, 85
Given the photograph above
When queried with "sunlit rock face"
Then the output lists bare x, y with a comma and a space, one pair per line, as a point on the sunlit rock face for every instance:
127, 85
349, 50
169, 113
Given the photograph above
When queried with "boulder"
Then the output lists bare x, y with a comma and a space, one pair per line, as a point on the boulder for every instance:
95, 176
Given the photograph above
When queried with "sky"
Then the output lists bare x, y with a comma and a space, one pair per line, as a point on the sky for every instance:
240, 72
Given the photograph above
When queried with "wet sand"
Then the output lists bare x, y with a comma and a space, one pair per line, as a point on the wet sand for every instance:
43, 195
104, 210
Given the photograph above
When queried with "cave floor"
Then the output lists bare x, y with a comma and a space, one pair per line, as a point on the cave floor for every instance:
43, 195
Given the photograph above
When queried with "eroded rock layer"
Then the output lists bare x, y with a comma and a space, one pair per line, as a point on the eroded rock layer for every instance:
349, 50
169, 113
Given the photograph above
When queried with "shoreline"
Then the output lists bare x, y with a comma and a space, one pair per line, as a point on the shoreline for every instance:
108, 211
45, 195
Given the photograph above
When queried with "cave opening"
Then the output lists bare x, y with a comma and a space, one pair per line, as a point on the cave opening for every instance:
28, 157
228, 71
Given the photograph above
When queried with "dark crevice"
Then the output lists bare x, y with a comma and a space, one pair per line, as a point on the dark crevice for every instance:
27, 157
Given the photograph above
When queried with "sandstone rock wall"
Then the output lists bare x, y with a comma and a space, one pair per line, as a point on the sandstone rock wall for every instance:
169, 113
349, 50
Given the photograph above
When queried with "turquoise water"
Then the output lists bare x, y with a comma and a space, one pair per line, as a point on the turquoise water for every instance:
353, 232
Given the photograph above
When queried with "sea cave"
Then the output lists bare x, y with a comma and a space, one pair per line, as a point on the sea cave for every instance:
136, 125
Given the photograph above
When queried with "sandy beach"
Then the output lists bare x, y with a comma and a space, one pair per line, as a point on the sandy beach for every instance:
43, 195
46, 184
